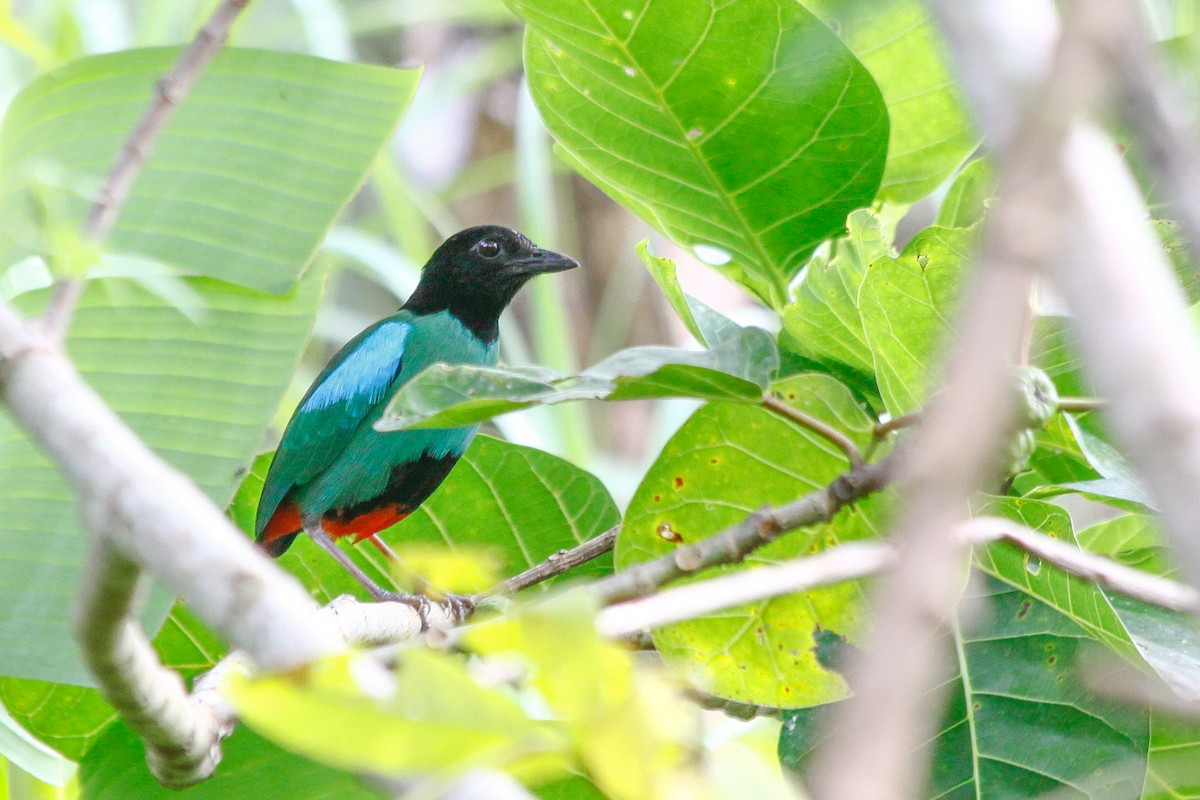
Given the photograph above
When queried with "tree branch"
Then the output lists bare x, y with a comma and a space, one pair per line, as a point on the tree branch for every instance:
679, 603
861, 559
828, 432
557, 564
1081, 563
111, 197
760, 528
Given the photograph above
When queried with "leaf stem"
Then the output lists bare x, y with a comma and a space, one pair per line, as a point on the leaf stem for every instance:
1081, 405
828, 432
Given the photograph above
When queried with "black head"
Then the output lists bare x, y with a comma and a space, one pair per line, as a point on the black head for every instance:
477, 271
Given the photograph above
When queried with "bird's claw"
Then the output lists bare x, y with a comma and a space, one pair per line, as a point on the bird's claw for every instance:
456, 606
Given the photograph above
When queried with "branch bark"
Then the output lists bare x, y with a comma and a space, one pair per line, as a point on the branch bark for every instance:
760, 528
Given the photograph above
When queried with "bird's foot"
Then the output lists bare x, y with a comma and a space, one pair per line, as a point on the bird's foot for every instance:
456, 606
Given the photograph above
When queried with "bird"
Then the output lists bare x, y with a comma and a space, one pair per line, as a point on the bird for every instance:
333, 475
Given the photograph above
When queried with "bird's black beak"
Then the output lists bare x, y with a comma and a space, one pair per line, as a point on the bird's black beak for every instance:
540, 261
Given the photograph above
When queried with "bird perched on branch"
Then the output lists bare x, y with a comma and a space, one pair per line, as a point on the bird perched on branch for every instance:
333, 474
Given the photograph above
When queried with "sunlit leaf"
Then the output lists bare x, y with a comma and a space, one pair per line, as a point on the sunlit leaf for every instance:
907, 306
756, 150
724, 463
931, 131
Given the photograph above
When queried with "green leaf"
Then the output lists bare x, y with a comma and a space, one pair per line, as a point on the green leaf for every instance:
725, 462
738, 367
432, 718
931, 131
1165, 641
967, 199
1173, 769
907, 304
246, 178
745, 127
1019, 722
708, 326
200, 394
517, 503
251, 766
825, 321
25, 751
68, 718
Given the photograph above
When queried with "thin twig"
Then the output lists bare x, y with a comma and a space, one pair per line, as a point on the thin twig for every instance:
679, 603
1081, 563
1081, 405
111, 197
762, 527
885, 429
556, 564
861, 559
828, 432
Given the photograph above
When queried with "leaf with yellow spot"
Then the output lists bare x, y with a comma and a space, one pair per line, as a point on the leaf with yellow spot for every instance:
725, 462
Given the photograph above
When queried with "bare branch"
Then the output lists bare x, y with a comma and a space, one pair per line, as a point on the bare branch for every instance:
844, 562
168, 94
182, 738
557, 564
828, 432
861, 559
1138, 343
760, 528
1084, 564
1163, 122
139, 510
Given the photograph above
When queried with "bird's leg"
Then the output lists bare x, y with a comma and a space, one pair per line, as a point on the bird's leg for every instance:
382, 547
317, 534
458, 606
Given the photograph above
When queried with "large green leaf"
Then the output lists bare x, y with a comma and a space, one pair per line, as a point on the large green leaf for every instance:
516, 503
726, 461
747, 127
246, 178
200, 394
907, 305
251, 767
1019, 723
931, 130
1173, 771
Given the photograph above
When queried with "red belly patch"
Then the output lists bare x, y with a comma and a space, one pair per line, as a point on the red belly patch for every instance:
286, 520
365, 524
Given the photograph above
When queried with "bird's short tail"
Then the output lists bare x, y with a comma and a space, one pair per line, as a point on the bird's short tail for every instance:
281, 530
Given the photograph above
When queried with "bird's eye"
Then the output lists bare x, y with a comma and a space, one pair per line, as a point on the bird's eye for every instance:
488, 248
